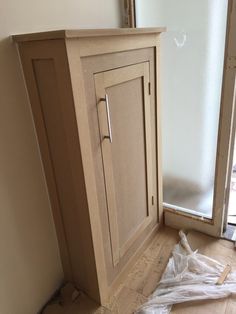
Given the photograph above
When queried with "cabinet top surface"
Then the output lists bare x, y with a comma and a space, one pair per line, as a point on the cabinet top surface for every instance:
81, 33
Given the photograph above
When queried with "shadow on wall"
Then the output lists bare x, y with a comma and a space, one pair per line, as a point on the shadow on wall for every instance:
30, 265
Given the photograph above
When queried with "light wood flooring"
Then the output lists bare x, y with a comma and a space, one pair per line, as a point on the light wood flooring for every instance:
224, 252
143, 279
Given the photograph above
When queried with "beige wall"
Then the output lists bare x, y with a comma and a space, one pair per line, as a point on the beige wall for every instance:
30, 268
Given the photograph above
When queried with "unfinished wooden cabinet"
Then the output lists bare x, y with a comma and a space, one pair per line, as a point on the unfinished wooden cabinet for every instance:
94, 98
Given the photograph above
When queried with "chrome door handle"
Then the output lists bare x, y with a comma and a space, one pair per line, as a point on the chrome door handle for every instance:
106, 100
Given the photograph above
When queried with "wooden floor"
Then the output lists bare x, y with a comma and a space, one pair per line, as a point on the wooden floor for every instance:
146, 273
224, 252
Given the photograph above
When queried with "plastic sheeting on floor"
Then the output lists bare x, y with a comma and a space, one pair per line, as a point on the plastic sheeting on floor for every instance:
189, 276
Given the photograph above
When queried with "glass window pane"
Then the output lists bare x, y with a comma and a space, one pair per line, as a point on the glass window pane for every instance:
192, 56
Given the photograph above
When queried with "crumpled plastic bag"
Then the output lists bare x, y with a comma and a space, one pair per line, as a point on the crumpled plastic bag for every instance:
189, 276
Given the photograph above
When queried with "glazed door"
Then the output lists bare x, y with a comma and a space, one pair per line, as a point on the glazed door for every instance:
197, 88
123, 104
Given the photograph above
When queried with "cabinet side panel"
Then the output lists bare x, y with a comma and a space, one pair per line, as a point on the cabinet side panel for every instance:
49, 88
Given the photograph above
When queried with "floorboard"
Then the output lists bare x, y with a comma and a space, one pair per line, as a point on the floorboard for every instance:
224, 252
143, 279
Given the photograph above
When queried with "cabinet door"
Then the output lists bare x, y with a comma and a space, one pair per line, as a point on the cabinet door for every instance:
124, 113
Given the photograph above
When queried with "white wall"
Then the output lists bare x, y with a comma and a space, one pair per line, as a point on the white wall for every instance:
30, 268
191, 73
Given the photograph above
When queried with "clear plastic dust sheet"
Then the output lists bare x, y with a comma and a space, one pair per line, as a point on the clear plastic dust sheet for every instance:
189, 276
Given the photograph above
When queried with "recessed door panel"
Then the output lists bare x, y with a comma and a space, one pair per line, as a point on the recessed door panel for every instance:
123, 104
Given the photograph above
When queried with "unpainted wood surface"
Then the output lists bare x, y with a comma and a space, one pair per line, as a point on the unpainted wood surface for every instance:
232, 38
137, 286
99, 64
224, 252
104, 46
145, 274
128, 159
57, 84
48, 79
128, 156
129, 18
80, 33
228, 94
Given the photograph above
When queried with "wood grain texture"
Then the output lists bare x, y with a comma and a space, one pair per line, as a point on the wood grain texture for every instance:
148, 270
136, 287
145, 274
82, 305
224, 252
101, 50
224, 275
232, 39
201, 307
80, 33
48, 79
127, 162
99, 64
228, 91
129, 18
67, 131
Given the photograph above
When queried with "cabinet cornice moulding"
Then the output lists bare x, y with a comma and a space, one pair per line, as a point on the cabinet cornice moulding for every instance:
80, 33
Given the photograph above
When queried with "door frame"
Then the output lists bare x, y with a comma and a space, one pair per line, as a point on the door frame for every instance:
214, 226
231, 69
230, 159
129, 15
